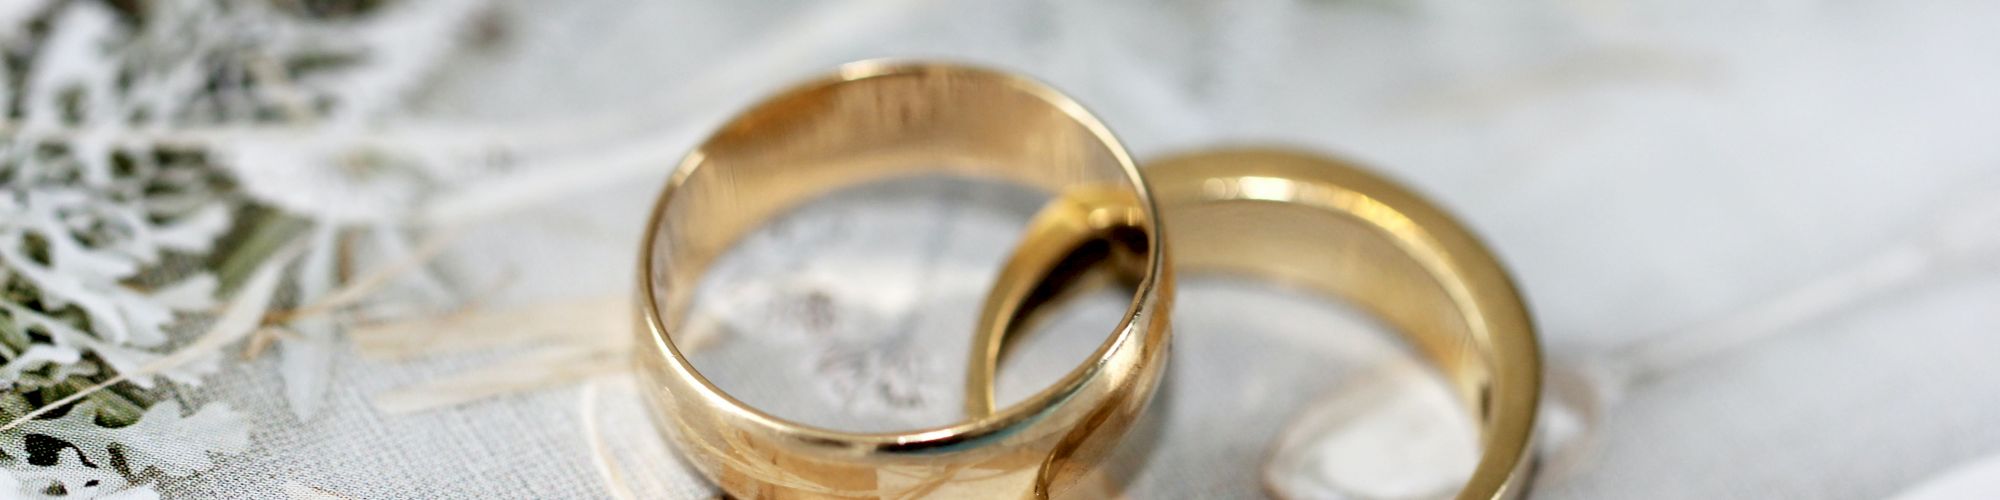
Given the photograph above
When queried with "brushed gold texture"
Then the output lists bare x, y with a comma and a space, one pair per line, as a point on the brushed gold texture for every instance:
874, 121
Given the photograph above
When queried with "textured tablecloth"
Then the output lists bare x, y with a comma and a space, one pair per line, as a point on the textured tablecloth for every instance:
1641, 165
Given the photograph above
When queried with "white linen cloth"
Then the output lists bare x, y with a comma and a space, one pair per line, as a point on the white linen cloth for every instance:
1641, 166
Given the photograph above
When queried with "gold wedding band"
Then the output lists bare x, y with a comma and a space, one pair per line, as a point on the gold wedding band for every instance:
1328, 227
871, 122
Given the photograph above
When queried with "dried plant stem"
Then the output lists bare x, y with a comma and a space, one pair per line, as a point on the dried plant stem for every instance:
263, 337
600, 452
241, 317
114, 408
601, 321
1957, 239
355, 290
548, 368
1887, 271
573, 354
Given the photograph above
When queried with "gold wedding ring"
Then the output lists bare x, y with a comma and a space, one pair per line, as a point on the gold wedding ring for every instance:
1328, 227
873, 122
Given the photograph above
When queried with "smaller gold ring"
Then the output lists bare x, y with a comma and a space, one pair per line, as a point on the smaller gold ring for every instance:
876, 121
1325, 226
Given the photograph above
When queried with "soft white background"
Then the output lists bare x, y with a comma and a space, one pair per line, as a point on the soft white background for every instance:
1642, 166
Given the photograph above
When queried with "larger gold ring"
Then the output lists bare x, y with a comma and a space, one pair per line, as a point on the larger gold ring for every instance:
870, 122
1326, 226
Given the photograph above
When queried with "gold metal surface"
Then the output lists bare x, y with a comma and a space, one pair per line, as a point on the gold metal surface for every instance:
1325, 226
874, 121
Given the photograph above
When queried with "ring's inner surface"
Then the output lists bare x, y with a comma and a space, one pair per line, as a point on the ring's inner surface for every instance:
852, 311
1336, 255
1344, 257
1338, 233
1238, 365
803, 145
1334, 229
